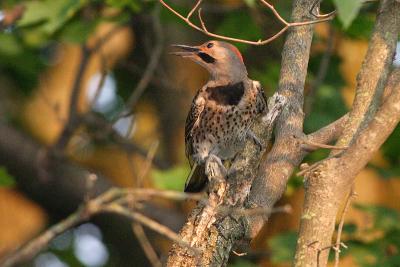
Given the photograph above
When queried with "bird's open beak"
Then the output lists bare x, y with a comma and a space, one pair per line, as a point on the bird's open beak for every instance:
188, 51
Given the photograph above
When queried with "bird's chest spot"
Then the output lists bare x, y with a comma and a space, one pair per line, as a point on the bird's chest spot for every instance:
230, 94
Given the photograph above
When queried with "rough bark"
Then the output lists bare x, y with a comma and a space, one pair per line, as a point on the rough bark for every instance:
286, 153
365, 131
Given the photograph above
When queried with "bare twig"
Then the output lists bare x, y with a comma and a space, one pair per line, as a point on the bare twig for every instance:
311, 144
287, 25
151, 66
316, 12
74, 120
147, 165
106, 202
338, 243
136, 227
259, 211
153, 225
146, 245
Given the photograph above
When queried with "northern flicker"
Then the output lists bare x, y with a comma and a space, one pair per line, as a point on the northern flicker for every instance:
222, 111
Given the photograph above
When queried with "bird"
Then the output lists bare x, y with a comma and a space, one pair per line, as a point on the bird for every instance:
222, 111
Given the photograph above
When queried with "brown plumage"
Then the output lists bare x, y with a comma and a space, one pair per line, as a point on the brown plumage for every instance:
222, 111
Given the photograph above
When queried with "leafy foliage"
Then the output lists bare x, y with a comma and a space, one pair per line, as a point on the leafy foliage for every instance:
347, 10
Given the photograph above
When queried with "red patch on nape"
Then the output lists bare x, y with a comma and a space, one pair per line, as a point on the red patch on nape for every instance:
237, 52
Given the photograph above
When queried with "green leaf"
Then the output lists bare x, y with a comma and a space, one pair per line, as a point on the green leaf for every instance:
347, 10
283, 247
49, 14
361, 27
250, 3
9, 45
171, 179
77, 31
6, 180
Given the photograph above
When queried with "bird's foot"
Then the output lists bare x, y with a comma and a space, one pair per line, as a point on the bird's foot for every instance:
255, 139
214, 168
216, 173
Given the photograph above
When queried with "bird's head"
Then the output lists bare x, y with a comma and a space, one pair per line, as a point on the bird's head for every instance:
222, 60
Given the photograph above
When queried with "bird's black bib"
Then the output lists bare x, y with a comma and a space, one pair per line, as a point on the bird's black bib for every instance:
230, 94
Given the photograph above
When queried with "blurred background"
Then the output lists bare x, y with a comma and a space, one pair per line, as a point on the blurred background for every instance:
108, 61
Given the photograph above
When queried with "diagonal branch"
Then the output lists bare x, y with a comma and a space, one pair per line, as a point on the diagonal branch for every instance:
109, 201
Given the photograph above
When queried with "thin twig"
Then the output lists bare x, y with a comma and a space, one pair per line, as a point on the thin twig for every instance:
74, 120
287, 25
136, 227
351, 195
147, 165
305, 168
151, 66
146, 245
37, 244
151, 224
258, 211
106, 202
319, 145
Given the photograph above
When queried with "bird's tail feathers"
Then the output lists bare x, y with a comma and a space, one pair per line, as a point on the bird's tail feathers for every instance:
196, 180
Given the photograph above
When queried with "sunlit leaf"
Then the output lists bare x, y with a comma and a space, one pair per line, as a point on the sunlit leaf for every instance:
50, 14
250, 3
347, 10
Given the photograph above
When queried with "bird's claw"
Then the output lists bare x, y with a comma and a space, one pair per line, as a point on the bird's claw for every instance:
214, 168
256, 140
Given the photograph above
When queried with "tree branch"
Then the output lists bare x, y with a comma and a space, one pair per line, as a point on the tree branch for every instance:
110, 201
329, 181
286, 153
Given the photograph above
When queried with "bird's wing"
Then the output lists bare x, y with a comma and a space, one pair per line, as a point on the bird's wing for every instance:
192, 121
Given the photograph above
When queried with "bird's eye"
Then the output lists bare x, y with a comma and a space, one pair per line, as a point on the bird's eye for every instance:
209, 45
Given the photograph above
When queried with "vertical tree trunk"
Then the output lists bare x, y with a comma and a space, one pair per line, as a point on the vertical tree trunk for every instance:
328, 184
